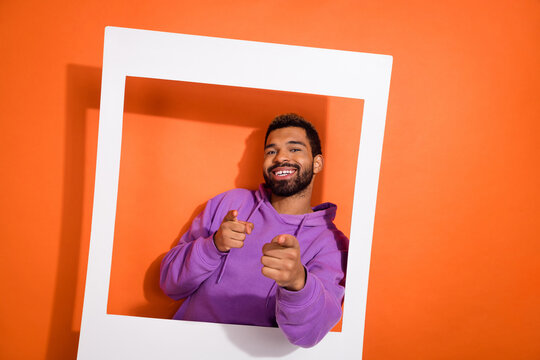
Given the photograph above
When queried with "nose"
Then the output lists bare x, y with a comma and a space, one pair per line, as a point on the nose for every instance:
281, 156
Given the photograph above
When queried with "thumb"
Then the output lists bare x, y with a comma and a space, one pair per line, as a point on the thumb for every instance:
231, 215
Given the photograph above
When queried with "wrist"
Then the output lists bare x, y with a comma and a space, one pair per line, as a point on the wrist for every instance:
220, 249
300, 281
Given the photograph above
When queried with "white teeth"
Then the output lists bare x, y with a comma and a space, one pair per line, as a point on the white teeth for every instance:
284, 172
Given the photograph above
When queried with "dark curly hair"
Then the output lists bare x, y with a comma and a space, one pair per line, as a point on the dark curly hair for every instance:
294, 120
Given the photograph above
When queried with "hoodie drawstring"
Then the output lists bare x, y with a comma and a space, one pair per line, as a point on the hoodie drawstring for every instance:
222, 271
300, 226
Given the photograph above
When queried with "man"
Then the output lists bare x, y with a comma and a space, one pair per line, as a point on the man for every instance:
265, 257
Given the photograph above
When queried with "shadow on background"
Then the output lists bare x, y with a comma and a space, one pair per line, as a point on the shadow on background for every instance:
82, 92
252, 108
158, 304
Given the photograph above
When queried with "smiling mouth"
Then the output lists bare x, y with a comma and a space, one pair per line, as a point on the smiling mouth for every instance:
283, 174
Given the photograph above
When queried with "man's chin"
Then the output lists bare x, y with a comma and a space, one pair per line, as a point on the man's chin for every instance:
289, 187
283, 188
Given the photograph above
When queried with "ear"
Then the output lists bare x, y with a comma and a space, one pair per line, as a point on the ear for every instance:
318, 163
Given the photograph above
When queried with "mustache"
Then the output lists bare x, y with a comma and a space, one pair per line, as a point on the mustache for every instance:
285, 164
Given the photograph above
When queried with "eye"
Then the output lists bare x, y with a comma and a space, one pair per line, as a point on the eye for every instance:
270, 152
295, 150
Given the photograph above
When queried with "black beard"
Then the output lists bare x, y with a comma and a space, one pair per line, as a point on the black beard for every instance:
288, 187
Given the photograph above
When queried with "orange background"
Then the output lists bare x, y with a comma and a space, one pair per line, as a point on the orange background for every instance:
454, 271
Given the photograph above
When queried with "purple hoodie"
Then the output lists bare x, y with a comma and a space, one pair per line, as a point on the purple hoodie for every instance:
230, 288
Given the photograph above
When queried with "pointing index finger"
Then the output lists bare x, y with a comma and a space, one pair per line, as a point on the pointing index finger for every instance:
286, 240
231, 215
249, 226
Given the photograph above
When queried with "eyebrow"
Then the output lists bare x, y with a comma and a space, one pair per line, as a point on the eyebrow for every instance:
288, 142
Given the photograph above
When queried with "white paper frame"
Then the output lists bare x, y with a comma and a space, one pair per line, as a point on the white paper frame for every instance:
151, 54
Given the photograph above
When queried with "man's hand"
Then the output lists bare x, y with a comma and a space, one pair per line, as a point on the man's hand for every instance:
281, 262
232, 232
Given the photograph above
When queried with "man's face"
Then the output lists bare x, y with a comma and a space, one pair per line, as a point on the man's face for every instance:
288, 163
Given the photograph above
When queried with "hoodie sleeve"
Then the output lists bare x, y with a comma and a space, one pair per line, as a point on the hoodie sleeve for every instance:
306, 316
195, 258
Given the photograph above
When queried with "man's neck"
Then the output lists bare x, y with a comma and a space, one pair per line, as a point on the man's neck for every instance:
297, 204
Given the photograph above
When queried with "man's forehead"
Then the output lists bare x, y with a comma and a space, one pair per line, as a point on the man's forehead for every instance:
287, 134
